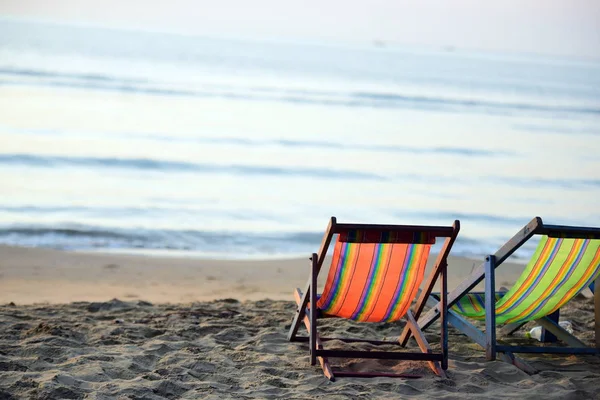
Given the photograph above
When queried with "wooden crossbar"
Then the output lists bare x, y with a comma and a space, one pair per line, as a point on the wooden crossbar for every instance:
549, 350
374, 375
570, 232
438, 231
351, 340
381, 355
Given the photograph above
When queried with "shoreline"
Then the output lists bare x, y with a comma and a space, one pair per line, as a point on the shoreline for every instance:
37, 275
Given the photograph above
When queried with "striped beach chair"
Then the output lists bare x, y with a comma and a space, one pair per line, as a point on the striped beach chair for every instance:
566, 261
375, 275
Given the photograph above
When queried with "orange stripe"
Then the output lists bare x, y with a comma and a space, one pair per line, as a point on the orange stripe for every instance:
349, 265
388, 286
564, 269
474, 303
335, 264
414, 275
373, 296
579, 285
532, 275
362, 266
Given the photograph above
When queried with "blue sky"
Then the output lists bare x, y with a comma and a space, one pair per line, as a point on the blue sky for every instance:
556, 27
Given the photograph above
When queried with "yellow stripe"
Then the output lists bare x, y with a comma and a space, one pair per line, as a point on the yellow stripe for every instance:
579, 285
516, 296
562, 272
347, 264
410, 270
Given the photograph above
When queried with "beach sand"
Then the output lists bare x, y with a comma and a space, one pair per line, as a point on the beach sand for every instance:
195, 328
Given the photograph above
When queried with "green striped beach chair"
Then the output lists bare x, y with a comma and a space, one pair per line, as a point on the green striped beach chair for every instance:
566, 261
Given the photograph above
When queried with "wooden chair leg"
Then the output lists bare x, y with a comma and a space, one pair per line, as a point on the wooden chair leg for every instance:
444, 315
509, 329
423, 344
490, 308
306, 319
510, 358
548, 336
597, 310
558, 331
313, 311
299, 316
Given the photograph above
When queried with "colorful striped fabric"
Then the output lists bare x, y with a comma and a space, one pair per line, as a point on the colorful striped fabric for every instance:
472, 304
559, 269
373, 282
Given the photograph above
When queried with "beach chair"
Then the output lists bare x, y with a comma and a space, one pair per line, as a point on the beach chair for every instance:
566, 261
375, 275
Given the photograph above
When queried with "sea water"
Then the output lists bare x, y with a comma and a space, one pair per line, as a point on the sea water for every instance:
123, 140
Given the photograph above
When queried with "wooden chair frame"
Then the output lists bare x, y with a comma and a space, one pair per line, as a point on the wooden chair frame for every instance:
309, 316
549, 323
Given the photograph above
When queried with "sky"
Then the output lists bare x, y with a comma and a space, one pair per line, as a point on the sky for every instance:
553, 27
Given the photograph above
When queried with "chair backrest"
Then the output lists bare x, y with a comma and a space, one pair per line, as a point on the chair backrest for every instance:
375, 275
559, 269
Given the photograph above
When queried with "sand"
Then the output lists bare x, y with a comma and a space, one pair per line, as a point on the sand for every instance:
30, 276
189, 328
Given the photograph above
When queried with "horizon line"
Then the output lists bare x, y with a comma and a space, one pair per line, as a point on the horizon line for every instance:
380, 44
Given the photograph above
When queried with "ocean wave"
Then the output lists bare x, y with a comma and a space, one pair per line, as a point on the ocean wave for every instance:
442, 103
38, 73
78, 237
568, 183
564, 130
468, 217
184, 209
288, 143
182, 166
370, 99
156, 165
226, 244
459, 151
171, 210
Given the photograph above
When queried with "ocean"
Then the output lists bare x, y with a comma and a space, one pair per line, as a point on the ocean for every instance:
131, 141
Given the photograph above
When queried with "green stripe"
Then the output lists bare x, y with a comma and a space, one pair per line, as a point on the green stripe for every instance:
544, 292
